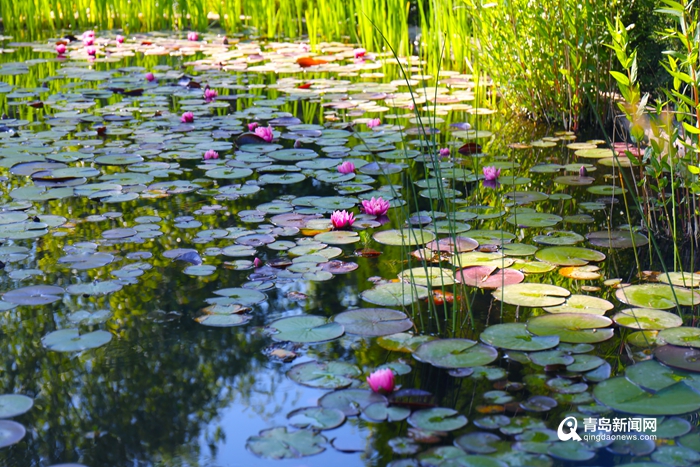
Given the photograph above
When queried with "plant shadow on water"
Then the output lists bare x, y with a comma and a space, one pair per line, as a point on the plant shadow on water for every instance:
163, 309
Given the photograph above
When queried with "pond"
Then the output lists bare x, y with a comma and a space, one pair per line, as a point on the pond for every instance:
183, 284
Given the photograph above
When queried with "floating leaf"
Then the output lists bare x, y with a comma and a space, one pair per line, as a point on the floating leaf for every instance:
395, 294
658, 296
330, 375
455, 353
306, 329
532, 295
373, 321
437, 419
515, 336
575, 328
70, 340
278, 443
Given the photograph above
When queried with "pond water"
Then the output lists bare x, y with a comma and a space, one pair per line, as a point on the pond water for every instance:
165, 308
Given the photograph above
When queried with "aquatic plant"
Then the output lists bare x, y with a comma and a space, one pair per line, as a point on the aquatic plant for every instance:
192, 36
375, 207
342, 219
265, 132
150, 77
187, 117
210, 94
211, 154
373, 123
346, 167
491, 173
381, 381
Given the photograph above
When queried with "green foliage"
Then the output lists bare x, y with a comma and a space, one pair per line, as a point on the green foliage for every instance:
543, 56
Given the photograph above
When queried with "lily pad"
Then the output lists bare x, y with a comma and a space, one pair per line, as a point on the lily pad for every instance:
406, 237
532, 295
330, 375
569, 255
617, 239
12, 405
316, 418
350, 401
306, 329
11, 433
70, 340
428, 276
484, 277
34, 295
622, 395
455, 353
682, 336
278, 443
395, 294
647, 318
437, 419
515, 336
574, 328
658, 296
373, 321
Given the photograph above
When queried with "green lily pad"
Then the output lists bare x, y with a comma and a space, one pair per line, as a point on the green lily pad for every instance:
569, 255
515, 336
534, 219
559, 238
306, 329
316, 418
622, 395
582, 304
684, 279
34, 295
338, 237
223, 320
70, 340
532, 295
682, 336
428, 276
402, 342
278, 443
12, 405
380, 412
647, 318
574, 328
242, 296
330, 375
617, 239
683, 358
437, 419
94, 288
477, 258
395, 294
373, 321
406, 237
455, 353
11, 433
651, 376
658, 296
350, 401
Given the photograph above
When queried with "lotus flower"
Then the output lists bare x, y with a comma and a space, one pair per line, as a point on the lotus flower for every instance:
375, 206
373, 123
253, 126
120, 39
192, 36
150, 77
444, 152
381, 381
91, 51
60, 49
88, 41
582, 172
342, 219
187, 117
346, 167
265, 132
211, 154
359, 53
257, 262
210, 94
89, 34
491, 173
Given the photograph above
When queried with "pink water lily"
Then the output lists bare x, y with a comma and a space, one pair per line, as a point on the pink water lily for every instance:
60, 49
582, 172
187, 117
359, 53
491, 173
210, 94
374, 123
342, 219
211, 154
90, 34
119, 39
150, 77
381, 381
265, 132
297, 144
375, 206
253, 126
257, 262
192, 36
88, 41
346, 167
444, 152
91, 51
